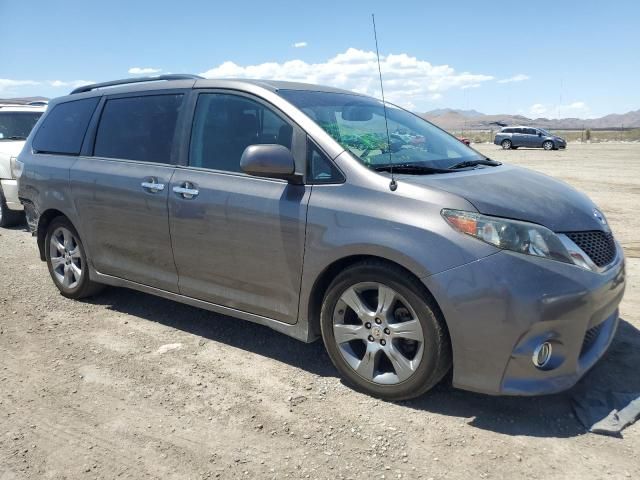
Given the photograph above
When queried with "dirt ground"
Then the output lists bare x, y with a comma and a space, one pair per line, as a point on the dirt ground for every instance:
127, 385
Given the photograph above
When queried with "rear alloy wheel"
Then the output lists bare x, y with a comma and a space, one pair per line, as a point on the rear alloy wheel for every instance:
8, 218
382, 333
506, 144
67, 260
547, 145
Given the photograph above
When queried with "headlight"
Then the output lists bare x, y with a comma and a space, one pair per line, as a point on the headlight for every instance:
521, 237
16, 167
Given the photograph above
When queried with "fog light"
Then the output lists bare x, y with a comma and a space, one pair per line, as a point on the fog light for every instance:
542, 355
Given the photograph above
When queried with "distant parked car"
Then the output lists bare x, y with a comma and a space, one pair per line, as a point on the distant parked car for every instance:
514, 137
16, 122
464, 140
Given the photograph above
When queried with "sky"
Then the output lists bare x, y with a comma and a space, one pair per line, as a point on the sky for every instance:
538, 58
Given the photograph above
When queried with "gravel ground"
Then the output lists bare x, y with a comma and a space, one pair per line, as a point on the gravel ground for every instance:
127, 385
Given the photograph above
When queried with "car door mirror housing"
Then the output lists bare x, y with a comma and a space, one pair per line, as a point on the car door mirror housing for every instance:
270, 161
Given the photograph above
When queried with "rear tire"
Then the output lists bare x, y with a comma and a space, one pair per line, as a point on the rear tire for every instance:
9, 218
397, 347
67, 261
547, 145
506, 144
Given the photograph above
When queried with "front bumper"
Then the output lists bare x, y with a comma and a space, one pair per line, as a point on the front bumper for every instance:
500, 308
10, 191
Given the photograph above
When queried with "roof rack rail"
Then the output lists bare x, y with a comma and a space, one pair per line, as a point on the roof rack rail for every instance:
125, 81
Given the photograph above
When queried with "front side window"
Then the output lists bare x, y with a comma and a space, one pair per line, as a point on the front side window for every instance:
17, 125
358, 124
63, 129
138, 128
224, 125
319, 168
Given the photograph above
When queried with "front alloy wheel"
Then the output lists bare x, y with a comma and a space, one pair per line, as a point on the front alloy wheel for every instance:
383, 331
506, 144
378, 333
547, 145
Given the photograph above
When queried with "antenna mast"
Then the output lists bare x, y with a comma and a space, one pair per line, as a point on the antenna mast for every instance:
393, 185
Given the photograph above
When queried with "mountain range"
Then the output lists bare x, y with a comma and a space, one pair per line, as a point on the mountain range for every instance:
457, 120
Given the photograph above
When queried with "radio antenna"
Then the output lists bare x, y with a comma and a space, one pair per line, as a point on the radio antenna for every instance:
393, 185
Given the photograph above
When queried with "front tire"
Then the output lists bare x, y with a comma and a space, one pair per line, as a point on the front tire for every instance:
506, 144
547, 145
384, 332
67, 261
8, 218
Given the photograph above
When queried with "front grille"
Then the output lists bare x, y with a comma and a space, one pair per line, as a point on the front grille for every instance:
589, 338
600, 246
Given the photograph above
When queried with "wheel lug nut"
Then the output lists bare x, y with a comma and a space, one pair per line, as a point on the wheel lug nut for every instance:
371, 338
378, 321
387, 331
340, 312
383, 342
367, 325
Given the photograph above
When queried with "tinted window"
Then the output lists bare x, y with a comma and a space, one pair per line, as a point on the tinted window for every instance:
138, 128
225, 125
63, 129
17, 125
531, 131
319, 168
507, 130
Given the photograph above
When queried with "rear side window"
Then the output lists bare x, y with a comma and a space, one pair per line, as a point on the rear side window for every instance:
507, 130
63, 129
138, 128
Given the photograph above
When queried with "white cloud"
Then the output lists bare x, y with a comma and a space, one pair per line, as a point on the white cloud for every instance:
407, 80
521, 77
69, 84
143, 70
7, 85
574, 109
300, 44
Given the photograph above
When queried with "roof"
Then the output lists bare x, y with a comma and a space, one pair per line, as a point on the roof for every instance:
163, 82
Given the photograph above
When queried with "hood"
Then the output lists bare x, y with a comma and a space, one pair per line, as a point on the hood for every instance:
517, 193
11, 148
8, 149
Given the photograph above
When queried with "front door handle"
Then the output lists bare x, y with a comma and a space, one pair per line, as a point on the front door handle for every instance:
186, 190
151, 185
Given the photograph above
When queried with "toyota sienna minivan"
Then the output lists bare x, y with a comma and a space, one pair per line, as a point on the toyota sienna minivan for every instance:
293, 206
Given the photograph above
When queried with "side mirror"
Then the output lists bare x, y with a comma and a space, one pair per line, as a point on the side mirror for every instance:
539, 134
270, 161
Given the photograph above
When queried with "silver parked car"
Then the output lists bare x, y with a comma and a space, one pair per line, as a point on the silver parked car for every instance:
514, 137
292, 206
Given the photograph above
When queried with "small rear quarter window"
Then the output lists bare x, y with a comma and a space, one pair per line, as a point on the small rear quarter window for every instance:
63, 129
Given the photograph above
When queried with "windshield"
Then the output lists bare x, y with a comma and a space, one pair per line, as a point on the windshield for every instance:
17, 125
357, 123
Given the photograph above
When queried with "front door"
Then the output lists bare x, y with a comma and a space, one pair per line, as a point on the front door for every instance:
238, 240
121, 191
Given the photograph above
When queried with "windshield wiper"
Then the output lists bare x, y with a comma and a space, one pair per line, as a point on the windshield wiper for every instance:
473, 163
409, 168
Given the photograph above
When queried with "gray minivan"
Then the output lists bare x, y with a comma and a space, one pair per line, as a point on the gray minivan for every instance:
294, 206
514, 137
